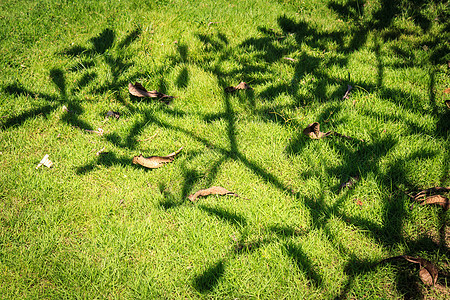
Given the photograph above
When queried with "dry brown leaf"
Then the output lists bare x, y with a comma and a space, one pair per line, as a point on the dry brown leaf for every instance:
437, 200
447, 102
426, 197
426, 277
154, 162
138, 90
447, 91
313, 131
428, 271
214, 190
240, 86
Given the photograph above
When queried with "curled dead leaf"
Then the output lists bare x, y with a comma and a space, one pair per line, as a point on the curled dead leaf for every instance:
426, 277
138, 90
214, 190
154, 162
241, 86
313, 131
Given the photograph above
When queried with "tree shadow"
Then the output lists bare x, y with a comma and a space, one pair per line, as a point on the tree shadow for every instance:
100, 44
362, 159
225, 215
107, 159
169, 199
18, 120
304, 263
245, 245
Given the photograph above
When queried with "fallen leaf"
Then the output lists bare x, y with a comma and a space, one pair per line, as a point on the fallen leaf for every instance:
447, 91
154, 162
313, 131
114, 114
290, 58
447, 102
240, 86
428, 272
432, 196
426, 277
138, 90
243, 86
437, 200
214, 190
430, 268
359, 202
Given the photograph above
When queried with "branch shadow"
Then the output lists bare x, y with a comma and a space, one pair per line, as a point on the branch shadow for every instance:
359, 159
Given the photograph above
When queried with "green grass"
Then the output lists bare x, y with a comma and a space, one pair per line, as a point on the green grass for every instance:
100, 227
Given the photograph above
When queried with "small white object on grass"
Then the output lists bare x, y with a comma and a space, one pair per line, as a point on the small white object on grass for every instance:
99, 152
45, 161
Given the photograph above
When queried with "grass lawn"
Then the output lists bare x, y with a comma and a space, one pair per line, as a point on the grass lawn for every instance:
95, 225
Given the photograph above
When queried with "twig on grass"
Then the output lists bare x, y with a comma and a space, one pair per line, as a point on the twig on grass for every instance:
100, 151
99, 131
349, 88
